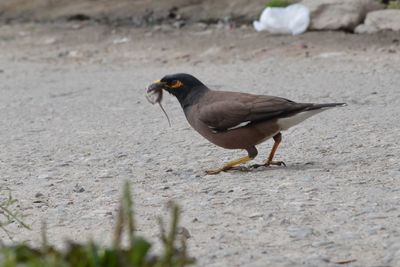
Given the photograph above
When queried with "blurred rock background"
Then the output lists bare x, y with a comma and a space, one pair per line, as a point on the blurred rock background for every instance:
325, 14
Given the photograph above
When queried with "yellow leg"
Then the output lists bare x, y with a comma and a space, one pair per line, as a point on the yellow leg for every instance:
269, 162
229, 165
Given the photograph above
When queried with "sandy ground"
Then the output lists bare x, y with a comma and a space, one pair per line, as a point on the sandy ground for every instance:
75, 124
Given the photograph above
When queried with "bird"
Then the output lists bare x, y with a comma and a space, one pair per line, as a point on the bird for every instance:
236, 120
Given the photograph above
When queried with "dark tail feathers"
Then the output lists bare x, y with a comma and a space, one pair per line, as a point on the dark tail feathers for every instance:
329, 105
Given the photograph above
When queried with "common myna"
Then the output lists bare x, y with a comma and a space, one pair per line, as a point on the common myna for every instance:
235, 120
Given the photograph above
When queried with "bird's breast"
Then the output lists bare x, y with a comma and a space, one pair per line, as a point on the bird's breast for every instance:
239, 138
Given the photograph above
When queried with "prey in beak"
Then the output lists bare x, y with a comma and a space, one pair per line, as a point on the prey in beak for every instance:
154, 92
154, 95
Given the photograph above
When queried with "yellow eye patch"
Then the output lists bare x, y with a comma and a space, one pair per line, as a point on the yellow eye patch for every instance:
176, 84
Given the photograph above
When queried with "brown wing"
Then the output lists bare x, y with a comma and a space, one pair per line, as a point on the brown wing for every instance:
225, 110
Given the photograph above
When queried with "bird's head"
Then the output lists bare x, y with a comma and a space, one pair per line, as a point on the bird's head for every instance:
184, 86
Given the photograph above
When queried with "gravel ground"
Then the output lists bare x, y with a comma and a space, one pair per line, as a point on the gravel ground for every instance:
75, 124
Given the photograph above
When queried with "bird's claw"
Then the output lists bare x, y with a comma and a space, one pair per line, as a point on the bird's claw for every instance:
214, 171
268, 164
255, 166
277, 163
235, 168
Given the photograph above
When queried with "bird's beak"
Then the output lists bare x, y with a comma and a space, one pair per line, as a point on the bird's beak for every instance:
156, 86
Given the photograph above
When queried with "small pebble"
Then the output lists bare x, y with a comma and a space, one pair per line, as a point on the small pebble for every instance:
78, 189
63, 164
44, 176
299, 232
121, 155
322, 243
106, 175
184, 232
256, 215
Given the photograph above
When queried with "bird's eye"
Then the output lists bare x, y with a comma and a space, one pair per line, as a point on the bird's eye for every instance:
175, 84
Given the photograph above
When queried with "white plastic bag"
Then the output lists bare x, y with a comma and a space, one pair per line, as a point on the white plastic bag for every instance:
293, 19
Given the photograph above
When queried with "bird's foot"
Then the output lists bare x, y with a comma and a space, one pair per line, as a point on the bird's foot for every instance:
240, 169
268, 164
230, 165
276, 163
215, 171
236, 168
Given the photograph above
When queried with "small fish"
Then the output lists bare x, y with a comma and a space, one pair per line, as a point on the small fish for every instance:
154, 95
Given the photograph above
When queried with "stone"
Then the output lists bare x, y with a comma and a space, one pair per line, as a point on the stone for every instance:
45, 176
339, 14
362, 28
106, 174
78, 189
256, 216
38, 194
380, 20
299, 232
184, 232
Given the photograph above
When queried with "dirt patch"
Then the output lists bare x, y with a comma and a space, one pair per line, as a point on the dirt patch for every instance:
133, 12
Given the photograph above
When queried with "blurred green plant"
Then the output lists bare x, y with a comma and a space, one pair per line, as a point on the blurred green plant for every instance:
9, 213
135, 254
278, 3
394, 4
